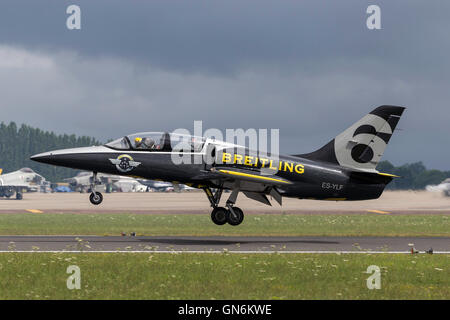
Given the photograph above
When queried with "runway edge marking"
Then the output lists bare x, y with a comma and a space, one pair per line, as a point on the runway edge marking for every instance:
379, 211
34, 211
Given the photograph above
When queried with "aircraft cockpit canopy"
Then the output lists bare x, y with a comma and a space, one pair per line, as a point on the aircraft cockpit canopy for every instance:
158, 141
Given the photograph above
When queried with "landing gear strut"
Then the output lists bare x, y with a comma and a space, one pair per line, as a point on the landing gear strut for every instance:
220, 215
235, 214
96, 197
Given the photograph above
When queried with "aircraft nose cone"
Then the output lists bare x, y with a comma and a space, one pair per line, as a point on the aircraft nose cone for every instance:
45, 157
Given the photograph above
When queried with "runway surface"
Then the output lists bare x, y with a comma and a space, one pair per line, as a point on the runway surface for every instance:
391, 202
220, 244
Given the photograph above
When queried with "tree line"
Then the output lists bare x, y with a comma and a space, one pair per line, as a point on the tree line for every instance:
413, 176
17, 144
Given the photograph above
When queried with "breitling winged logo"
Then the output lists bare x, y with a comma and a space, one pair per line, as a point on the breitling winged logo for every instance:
124, 163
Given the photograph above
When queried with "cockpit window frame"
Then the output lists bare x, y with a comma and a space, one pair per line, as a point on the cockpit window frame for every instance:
121, 139
130, 145
166, 142
158, 139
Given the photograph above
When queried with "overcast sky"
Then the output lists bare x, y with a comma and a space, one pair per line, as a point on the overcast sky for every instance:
308, 68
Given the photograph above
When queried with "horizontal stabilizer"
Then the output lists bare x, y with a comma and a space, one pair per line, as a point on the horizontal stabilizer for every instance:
372, 177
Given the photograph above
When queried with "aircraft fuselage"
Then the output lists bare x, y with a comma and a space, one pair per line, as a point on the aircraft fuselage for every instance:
309, 179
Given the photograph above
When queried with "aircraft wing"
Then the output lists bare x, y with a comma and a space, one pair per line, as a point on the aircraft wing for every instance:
234, 174
13, 180
16, 185
262, 184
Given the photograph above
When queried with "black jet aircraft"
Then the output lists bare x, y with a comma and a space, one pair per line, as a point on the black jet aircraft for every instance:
343, 169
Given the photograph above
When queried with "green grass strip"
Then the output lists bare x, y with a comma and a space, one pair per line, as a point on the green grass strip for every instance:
223, 276
201, 225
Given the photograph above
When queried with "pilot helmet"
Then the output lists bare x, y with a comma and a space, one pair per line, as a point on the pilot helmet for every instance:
138, 141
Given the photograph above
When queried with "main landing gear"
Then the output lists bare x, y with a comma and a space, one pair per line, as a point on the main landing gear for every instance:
95, 197
220, 215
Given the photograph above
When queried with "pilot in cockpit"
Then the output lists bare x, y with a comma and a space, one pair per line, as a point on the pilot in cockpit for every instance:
144, 143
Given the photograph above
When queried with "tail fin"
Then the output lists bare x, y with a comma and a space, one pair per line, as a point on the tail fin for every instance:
362, 145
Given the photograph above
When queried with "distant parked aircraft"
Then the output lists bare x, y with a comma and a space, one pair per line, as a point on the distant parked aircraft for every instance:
82, 182
443, 187
128, 184
160, 186
19, 181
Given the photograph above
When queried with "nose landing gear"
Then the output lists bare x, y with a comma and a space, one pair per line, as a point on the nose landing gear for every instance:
95, 197
220, 215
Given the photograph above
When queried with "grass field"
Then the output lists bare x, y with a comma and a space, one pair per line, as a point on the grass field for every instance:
223, 276
201, 225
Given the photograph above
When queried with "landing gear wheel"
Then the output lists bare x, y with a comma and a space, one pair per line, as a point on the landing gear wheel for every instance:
235, 220
19, 196
96, 198
219, 216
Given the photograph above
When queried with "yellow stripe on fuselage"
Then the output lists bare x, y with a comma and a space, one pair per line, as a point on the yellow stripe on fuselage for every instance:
252, 176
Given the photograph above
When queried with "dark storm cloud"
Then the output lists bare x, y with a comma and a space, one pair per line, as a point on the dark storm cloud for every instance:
309, 68
227, 35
